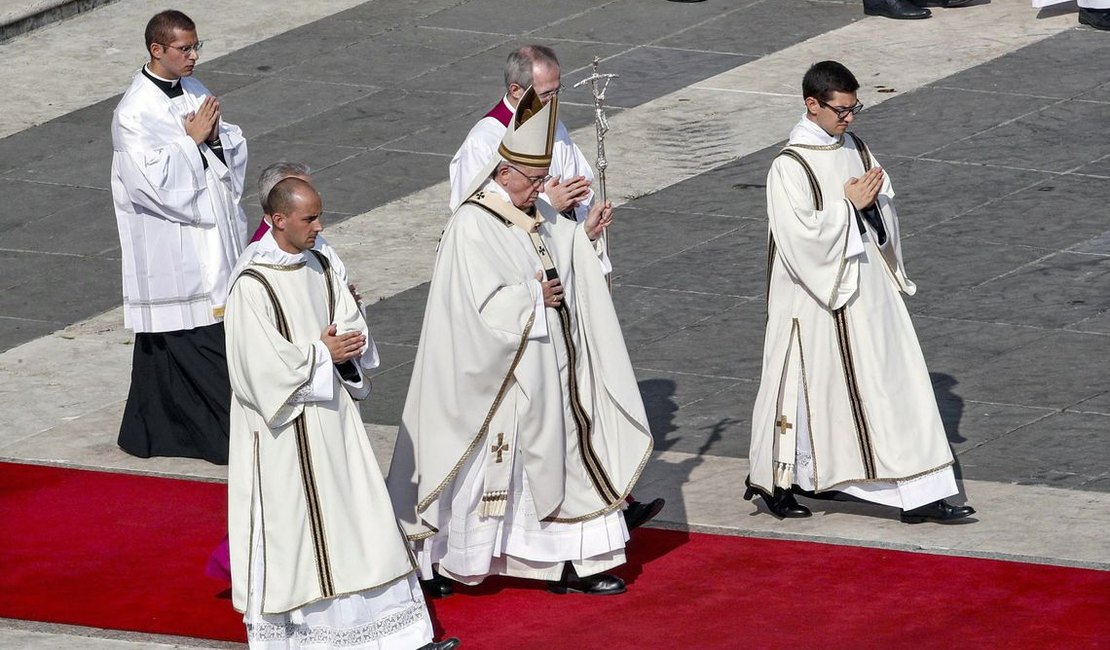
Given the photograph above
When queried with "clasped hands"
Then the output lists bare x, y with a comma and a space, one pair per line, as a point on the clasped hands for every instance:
203, 124
345, 346
862, 191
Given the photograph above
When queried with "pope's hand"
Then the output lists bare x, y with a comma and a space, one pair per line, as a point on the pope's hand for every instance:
600, 217
552, 291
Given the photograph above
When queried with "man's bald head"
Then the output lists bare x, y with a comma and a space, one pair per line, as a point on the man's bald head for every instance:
295, 212
286, 194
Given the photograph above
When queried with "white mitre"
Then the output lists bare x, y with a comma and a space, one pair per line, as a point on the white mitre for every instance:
529, 139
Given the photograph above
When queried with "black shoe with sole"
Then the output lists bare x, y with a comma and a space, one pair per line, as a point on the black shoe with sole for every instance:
937, 512
639, 513
896, 9
781, 503
599, 584
437, 587
446, 644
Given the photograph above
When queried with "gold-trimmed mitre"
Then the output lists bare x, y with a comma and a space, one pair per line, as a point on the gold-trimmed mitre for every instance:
529, 139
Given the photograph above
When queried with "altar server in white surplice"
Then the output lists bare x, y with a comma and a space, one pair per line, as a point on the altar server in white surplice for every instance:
177, 176
317, 559
845, 402
524, 429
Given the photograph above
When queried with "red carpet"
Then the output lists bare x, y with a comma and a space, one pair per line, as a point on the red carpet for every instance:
128, 552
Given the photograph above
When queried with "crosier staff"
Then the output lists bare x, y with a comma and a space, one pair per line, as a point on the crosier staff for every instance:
598, 83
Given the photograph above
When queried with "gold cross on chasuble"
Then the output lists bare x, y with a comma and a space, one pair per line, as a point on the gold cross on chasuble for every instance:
783, 425
500, 447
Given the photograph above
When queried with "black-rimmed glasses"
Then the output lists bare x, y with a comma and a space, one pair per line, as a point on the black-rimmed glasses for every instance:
841, 112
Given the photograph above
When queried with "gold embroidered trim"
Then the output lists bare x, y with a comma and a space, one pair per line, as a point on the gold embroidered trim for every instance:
820, 147
481, 436
403, 576
805, 396
814, 186
885, 480
281, 267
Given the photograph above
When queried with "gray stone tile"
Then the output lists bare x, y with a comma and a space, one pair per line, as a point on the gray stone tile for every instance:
483, 73
76, 286
648, 315
761, 28
1045, 140
943, 266
1099, 168
701, 415
391, 385
88, 229
444, 136
1064, 65
271, 103
304, 44
1098, 404
378, 119
506, 16
17, 331
1077, 456
633, 22
1099, 94
380, 15
650, 72
1097, 245
921, 206
86, 162
52, 139
1055, 371
376, 177
971, 424
737, 189
268, 149
957, 348
640, 238
1097, 324
1052, 293
738, 260
1034, 216
391, 57
25, 201
717, 346
930, 118
397, 320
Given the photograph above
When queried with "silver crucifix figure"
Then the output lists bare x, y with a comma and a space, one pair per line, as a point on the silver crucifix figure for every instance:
598, 83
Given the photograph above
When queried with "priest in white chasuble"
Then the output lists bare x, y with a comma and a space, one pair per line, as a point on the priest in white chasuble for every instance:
845, 403
317, 557
524, 429
177, 176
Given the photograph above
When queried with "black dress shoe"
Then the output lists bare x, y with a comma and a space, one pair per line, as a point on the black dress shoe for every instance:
941, 3
639, 513
1097, 18
446, 644
897, 9
937, 512
781, 503
599, 584
437, 587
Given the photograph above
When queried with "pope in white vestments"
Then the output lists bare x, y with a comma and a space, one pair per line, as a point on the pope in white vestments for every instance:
845, 401
524, 429
177, 176
317, 558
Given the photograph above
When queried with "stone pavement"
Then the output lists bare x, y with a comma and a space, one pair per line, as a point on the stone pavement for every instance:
989, 120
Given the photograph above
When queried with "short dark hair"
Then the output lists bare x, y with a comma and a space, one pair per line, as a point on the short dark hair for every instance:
826, 77
284, 195
161, 26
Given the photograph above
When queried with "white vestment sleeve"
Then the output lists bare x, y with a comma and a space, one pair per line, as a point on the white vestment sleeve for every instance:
265, 369
166, 182
855, 237
812, 244
319, 388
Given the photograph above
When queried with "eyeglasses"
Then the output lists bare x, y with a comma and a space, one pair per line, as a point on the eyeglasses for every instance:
186, 49
842, 113
546, 96
533, 180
